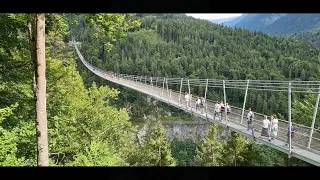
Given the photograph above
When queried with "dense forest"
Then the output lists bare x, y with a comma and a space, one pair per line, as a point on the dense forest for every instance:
311, 36
91, 122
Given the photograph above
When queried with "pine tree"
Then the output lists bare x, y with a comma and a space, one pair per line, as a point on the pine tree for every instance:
234, 149
183, 151
155, 149
303, 110
98, 154
209, 152
8, 141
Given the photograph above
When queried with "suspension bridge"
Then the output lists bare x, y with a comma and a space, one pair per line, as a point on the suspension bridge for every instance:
306, 143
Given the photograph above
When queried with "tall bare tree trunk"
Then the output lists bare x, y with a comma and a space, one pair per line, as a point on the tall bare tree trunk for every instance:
32, 44
38, 53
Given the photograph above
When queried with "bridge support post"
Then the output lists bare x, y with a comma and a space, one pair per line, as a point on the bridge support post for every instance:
225, 101
289, 162
189, 87
180, 91
244, 101
167, 90
289, 117
164, 79
205, 100
151, 82
189, 91
314, 118
156, 81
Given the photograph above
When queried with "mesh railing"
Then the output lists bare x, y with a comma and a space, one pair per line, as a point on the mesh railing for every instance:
301, 136
159, 86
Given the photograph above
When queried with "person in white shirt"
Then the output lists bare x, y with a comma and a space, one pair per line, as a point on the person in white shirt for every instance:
274, 127
265, 127
198, 102
250, 118
202, 104
228, 108
186, 96
216, 110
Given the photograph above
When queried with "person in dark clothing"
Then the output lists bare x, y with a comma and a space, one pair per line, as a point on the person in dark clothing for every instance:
292, 135
221, 110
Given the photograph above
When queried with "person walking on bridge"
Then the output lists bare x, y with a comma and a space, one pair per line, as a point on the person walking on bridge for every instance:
186, 96
198, 102
265, 127
216, 111
250, 119
292, 130
202, 104
190, 99
228, 109
221, 110
274, 127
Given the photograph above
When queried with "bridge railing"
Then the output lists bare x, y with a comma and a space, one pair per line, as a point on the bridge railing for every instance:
302, 136
300, 139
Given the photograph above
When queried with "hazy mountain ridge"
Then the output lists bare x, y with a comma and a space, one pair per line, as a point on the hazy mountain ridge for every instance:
277, 24
224, 21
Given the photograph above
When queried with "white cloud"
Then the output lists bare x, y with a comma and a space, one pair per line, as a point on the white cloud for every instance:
213, 16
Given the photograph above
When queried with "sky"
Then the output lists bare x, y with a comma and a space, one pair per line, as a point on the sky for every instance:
213, 16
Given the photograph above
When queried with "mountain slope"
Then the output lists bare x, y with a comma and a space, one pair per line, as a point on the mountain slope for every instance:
183, 46
234, 21
223, 20
278, 24
312, 37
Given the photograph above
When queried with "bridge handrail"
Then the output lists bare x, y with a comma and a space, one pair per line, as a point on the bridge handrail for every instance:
259, 123
232, 84
234, 107
301, 133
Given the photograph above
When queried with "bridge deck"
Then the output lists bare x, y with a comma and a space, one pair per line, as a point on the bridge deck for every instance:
310, 155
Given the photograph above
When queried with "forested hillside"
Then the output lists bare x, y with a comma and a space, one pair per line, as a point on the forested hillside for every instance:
312, 37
